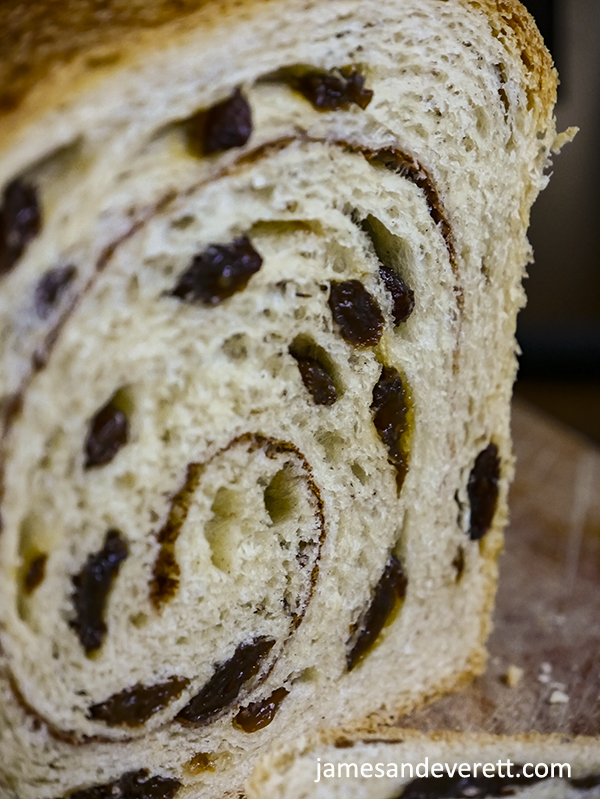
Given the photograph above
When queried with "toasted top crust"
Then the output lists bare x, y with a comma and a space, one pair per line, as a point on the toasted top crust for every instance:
53, 48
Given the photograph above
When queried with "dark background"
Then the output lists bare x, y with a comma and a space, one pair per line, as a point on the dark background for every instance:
559, 330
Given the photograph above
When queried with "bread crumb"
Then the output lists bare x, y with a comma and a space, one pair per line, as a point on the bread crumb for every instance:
546, 668
513, 676
563, 138
558, 698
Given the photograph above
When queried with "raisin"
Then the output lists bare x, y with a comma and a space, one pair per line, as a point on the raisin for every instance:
92, 586
328, 91
390, 407
356, 312
317, 379
343, 743
136, 705
455, 787
260, 714
403, 298
585, 783
108, 432
390, 590
226, 683
20, 222
459, 562
482, 489
201, 762
133, 785
35, 574
50, 289
217, 273
222, 127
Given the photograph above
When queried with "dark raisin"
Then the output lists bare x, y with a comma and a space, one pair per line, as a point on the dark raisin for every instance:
389, 591
92, 586
218, 272
35, 573
482, 489
403, 298
133, 785
260, 714
226, 683
316, 379
343, 743
136, 705
390, 407
108, 432
20, 222
455, 787
356, 312
459, 562
222, 127
585, 783
50, 289
328, 91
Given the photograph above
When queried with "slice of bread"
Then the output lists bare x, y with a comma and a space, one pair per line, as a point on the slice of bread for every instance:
404, 764
261, 263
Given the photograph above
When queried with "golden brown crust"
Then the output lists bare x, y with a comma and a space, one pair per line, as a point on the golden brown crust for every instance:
40, 35
515, 28
51, 47
54, 49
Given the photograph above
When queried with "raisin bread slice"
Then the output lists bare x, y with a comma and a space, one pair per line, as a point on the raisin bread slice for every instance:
404, 764
261, 264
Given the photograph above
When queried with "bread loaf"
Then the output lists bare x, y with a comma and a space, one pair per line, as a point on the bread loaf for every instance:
261, 263
404, 764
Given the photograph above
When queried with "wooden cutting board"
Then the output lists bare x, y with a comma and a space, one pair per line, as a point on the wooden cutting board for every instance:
547, 619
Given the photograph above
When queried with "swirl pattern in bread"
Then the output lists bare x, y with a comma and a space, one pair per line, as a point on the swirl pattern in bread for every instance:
260, 272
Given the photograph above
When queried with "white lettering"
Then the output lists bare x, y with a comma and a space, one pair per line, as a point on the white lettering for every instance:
560, 767
424, 768
347, 766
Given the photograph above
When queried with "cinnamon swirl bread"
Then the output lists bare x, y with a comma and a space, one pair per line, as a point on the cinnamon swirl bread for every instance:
260, 267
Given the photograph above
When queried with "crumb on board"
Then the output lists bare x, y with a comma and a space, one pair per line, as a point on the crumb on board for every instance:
513, 676
558, 698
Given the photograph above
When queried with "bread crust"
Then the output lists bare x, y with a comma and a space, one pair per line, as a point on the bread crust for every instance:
514, 26
53, 49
